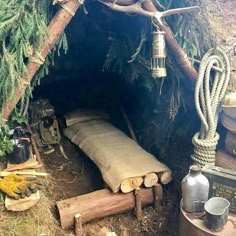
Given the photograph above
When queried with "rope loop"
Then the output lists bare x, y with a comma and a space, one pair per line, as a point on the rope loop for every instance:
209, 92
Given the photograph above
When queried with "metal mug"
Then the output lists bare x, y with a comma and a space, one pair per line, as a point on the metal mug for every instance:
217, 210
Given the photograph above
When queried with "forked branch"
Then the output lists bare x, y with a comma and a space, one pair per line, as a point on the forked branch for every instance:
156, 15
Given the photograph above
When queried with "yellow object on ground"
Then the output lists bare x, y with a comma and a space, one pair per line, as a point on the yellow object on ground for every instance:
18, 186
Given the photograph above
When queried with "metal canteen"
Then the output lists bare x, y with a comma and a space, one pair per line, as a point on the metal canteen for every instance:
195, 190
217, 210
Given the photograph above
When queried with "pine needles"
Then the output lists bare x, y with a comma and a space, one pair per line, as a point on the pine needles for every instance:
23, 26
120, 59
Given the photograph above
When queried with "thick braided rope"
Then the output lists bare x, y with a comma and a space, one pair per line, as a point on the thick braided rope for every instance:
208, 97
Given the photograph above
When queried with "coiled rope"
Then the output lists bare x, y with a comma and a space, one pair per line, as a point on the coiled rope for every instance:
209, 93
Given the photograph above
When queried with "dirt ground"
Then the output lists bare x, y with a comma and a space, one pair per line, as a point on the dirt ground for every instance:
78, 175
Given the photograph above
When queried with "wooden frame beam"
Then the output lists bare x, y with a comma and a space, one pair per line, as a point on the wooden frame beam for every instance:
55, 29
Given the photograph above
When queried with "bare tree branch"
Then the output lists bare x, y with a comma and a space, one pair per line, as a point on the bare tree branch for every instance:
137, 8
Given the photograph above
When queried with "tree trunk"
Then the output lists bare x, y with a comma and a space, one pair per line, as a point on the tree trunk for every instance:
101, 203
55, 29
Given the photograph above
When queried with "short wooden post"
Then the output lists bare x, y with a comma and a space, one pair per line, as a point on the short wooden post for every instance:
157, 195
138, 204
78, 225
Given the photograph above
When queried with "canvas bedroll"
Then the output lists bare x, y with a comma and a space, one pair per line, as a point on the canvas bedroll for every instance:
116, 155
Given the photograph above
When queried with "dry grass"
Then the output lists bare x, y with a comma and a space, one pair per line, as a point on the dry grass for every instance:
40, 220
37, 221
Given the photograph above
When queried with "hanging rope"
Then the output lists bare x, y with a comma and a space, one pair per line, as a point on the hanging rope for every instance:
209, 93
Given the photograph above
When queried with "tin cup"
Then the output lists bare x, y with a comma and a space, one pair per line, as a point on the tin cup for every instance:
217, 210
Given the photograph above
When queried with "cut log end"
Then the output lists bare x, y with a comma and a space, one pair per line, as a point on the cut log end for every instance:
129, 185
150, 180
77, 216
165, 177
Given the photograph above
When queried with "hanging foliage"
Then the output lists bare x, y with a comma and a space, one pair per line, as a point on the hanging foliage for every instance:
126, 60
192, 32
23, 26
168, 99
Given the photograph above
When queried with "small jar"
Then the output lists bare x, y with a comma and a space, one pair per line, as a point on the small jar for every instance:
195, 190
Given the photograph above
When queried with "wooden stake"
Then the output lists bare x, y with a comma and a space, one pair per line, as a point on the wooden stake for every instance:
157, 192
138, 204
150, 180
128, 185
78, 225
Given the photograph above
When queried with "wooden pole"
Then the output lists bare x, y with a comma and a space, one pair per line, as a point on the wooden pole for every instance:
138, 204
78, 225
99, 204
157, 192
55, 29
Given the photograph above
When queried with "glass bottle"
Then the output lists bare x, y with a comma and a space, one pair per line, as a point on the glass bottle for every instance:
195, 190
